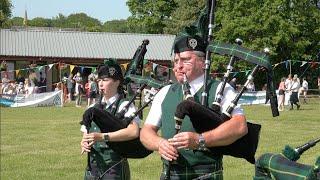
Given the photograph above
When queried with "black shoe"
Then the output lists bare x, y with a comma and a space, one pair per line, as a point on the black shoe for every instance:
298, 107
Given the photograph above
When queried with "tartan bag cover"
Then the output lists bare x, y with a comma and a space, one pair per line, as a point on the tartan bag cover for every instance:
277, 166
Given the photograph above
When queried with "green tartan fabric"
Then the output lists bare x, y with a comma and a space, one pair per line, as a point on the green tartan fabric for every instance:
104, 162
116, 170
277, 166
210, 171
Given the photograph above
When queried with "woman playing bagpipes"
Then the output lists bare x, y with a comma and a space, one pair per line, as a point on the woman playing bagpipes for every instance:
185, 153
103, 161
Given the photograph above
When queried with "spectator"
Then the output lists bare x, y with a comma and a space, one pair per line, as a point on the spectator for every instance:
42, 83
28, 88
20, 79
304, 89
20, 88
251, 87
70, 85
78, 89
281, 89
5, 82
93, 91
288, 84
294, 92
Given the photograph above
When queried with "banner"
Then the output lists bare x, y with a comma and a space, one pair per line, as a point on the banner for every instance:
255, 97
33, 100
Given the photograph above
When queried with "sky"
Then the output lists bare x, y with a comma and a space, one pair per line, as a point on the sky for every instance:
103, 10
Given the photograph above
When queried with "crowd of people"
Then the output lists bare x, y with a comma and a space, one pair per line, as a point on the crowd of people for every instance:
75, 88
291, 89
23, 86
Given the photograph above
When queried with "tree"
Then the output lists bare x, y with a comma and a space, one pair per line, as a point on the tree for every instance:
290, 28
40, 22
79, 21
116, 26
83, 21
15, 21
5, 11
148, 16
60, 21
186, 13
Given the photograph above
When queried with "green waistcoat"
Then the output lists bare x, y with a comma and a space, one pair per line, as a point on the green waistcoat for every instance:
172, 99
102, 153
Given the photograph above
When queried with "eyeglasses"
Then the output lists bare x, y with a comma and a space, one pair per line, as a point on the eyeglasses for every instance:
185, 61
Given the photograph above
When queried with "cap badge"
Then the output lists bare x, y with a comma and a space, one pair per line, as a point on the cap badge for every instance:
112, 71
193, 43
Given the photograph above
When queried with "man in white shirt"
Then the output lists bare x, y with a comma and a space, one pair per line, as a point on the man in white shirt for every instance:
304, 89
189, 61
294, 89
288, 84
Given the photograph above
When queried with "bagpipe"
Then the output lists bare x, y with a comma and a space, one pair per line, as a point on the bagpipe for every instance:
284, 166
204, 118
114, 121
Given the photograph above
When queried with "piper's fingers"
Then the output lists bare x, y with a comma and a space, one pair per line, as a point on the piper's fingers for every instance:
179, 145
166, 157
168, 151
91, 143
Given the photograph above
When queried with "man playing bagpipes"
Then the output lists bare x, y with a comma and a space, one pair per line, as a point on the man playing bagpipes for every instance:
104, 162
188, 148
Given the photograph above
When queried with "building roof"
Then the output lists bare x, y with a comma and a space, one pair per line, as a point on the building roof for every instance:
75, 44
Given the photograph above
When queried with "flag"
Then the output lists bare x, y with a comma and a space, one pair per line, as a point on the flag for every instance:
50, 66
71, 68
93, 70
303, 63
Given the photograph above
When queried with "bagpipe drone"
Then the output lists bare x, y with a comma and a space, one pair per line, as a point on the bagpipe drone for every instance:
113, 121
205, 118
283, 166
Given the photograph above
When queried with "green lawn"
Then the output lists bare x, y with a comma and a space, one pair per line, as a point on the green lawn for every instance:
44, 143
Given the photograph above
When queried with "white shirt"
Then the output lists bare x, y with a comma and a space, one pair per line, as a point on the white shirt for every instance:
155, 113
295, 86
109, 102
288, 84
305, 85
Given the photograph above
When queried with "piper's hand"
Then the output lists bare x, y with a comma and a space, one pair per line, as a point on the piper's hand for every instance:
93, 137
187, 140
167, 151
85, 144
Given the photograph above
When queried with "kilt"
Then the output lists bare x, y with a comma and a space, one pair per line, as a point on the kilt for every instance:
281, 92
92, 94
294, 97
179, 172
116, 170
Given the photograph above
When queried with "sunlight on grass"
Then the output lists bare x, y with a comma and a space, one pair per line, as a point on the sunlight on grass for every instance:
44, 143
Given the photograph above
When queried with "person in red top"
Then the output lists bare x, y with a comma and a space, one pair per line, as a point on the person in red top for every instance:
281, 89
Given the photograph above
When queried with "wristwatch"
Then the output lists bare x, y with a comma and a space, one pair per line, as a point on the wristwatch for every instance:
106, 137
202, 143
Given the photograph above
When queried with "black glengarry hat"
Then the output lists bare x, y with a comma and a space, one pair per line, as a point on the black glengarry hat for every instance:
110, 69
186, 42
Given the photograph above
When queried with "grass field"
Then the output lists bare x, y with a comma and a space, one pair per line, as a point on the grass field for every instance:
44, 143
